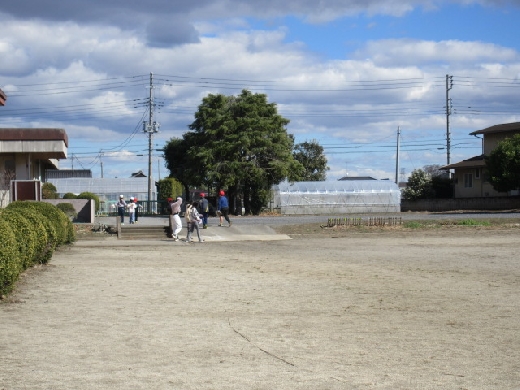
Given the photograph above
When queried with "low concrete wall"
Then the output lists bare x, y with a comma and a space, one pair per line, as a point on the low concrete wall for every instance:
86, 208
433, 205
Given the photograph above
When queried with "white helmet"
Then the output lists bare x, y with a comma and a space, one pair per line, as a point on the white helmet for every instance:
131, 198
121, 196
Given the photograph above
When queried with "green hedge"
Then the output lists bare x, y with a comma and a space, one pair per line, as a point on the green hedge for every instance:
30, 232
9, 258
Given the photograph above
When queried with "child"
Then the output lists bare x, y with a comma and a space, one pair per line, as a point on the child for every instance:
195, 220
187, 216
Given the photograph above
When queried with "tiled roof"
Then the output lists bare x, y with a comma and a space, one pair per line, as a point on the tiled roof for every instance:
506, 127
473, 162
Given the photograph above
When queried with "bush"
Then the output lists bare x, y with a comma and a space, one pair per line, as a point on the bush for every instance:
29, 233
68, 209
25, 234
9, 258
69, 195
58, 226
90, 195
49, 191
42, 226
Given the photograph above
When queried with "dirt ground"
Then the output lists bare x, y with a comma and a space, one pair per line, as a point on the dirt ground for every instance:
325, 310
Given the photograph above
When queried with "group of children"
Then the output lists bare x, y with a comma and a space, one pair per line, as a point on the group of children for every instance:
132, 207
196, 215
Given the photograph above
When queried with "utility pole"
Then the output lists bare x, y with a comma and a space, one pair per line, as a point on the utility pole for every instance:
151, 127
101, 162
397, 157
449, 86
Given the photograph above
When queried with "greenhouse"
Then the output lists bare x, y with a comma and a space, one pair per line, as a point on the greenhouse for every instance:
108, 190
337, 197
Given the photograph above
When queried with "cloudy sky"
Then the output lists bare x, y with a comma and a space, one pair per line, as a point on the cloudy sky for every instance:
347, 73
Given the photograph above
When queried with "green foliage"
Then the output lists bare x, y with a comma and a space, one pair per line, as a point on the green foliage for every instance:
442, 187
68, 209
473, 222
26, 236
503, 165
419, 186
89, 195
169, 188
37, 222
49, 191
413, 225
310, 155
29, 232
9, 258
69, 195
237, 142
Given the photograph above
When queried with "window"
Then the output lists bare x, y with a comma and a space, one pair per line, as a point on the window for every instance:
468, 180
477, 173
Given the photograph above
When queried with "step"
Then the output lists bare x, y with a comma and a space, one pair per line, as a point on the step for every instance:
143, 232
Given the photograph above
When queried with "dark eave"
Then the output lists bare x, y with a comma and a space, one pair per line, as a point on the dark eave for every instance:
504, 128
473, 162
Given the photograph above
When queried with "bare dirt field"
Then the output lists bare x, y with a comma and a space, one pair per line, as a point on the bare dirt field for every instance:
328, 309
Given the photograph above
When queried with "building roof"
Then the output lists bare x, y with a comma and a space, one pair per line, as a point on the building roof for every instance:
3, 98
503, 128
473, 162
338, 186
356, 178
67, 173
40, 142
138, 174
33, 134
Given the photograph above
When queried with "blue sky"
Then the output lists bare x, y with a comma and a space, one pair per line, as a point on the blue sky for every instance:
345, 74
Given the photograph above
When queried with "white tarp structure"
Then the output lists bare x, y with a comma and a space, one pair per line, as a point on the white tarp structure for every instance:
337, 197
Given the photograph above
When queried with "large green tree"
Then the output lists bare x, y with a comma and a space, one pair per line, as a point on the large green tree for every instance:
503, 165
238, 143
310, 155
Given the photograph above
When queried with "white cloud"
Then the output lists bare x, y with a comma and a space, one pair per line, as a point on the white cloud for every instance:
353, 100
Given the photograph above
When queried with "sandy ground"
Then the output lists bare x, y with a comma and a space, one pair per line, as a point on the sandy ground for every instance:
394, 310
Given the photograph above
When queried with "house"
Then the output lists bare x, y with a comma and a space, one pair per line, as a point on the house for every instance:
470, 177
25, 154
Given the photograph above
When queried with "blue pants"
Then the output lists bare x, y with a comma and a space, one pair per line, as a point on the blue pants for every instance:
121, 213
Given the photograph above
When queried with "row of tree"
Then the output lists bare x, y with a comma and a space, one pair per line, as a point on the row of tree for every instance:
240, 144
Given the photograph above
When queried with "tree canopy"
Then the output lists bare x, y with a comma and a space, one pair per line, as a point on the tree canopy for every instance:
310, 155
237, 143
428, 183
503, 165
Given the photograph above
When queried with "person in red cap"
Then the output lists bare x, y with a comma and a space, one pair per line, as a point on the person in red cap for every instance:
223, 208
204, 209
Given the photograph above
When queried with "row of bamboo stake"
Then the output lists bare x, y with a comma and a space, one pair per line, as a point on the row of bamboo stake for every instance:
371, 221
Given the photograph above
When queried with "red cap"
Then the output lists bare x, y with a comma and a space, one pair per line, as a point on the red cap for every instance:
202, 194
222, 193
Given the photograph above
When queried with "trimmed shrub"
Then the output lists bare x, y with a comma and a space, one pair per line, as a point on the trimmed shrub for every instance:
25, 234
9, 258
89, 195
48, 226
68, 209
61, 230
40, 226
49, 191
69, 195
